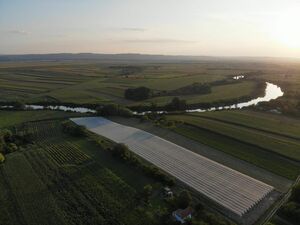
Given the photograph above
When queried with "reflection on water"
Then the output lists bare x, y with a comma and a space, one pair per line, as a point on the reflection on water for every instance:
238, 77
272, 92
62, 108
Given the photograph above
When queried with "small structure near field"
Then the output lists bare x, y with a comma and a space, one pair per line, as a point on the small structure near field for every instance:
181, 215
168, 192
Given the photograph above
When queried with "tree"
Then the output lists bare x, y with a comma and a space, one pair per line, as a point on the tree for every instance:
147, 191
184, 199
7, 135
177, 104
108, 110
122, 151
19, 105
114, 110
137, 94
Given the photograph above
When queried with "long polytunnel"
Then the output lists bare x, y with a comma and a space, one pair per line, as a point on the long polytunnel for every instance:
226, 187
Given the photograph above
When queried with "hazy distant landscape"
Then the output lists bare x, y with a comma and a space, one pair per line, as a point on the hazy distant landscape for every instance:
149, 113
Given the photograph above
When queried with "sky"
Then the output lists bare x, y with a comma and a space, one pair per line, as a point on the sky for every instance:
173, 27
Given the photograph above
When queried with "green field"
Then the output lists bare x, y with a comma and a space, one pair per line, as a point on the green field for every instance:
56, 182
237, 134
93, 82
11, 118
62, 179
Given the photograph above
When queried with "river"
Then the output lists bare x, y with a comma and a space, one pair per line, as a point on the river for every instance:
272, 92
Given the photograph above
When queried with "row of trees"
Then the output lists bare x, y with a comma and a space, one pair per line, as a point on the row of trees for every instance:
192, 89
122, 152
143, 93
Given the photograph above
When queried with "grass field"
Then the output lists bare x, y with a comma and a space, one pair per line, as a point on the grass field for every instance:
245, 140
223, 92
92, 82
11, 118
269, 122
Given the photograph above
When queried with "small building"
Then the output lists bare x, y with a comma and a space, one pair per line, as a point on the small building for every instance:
181, 215
167, 192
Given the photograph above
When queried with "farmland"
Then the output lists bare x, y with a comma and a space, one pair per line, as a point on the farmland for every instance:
11, 118
60, 188
235, 133
62, 179
188, 167
94, 83
78, 180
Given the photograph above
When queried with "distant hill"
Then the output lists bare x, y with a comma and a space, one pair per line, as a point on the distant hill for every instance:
101, 57
129, 58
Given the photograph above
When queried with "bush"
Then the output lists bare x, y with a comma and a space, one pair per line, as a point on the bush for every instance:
2, 158
137, 94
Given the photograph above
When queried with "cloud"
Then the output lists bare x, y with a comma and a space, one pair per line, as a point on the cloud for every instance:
158, 40
19, 32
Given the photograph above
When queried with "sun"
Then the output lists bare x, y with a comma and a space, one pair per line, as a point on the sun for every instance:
285, 28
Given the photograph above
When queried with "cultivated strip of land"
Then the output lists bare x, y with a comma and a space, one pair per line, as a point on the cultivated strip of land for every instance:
231, 189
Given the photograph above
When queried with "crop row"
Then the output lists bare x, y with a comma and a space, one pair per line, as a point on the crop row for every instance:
66, 153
